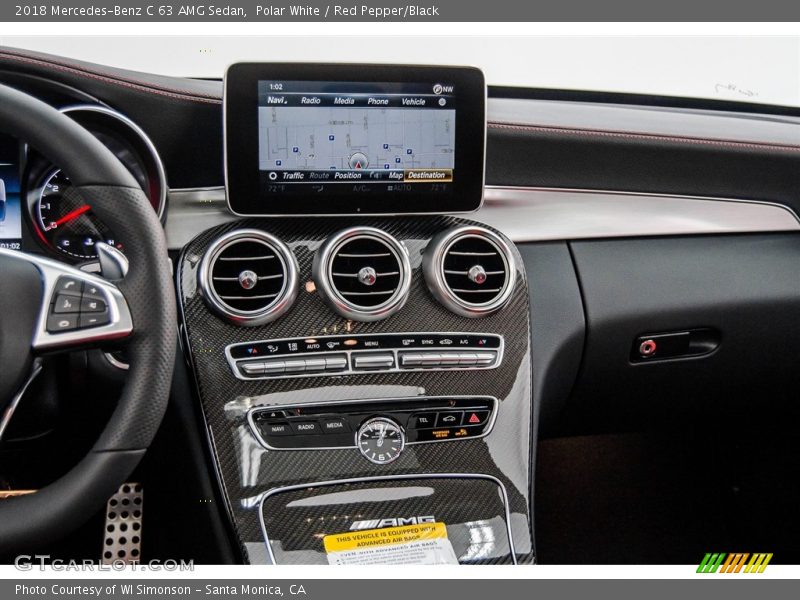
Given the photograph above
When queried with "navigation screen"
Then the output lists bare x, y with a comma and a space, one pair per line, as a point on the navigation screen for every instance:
336, 137
353, 139
10, 213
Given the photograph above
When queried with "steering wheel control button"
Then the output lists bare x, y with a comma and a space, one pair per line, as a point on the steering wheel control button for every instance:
423, 421
93, 304
67, 304
306, 428
373, 361
68, 285
449, 419
337, 425
93, 320
58, 323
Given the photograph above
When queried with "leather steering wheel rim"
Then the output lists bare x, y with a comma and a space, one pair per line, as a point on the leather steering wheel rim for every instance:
116, 199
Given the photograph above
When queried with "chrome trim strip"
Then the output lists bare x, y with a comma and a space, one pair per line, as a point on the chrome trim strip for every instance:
535, 214
232, 362
151, 147
268, 407
542, 214
401, 477
120, 324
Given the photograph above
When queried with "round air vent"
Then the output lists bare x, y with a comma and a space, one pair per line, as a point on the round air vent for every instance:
248, 277
363, 273
470, 270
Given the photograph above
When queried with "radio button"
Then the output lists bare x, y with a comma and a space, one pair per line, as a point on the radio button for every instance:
306, 427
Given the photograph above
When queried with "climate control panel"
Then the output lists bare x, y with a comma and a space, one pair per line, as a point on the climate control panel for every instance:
349, 424
358, 354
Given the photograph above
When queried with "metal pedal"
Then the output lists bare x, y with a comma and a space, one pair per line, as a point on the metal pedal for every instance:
123, 531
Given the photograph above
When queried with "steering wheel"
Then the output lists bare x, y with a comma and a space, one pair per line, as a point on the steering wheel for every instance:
139, 310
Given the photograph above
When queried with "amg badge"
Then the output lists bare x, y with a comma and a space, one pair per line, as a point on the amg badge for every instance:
397, 522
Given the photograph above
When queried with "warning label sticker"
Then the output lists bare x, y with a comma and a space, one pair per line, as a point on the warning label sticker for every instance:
424, 544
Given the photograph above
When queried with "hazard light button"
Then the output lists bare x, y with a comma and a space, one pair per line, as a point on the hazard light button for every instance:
475, 417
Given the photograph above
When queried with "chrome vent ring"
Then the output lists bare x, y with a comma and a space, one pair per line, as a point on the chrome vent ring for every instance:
363, 273
248, 277
470, 270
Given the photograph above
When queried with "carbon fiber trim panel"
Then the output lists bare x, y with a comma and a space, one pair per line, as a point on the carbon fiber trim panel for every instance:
248, 470
474, 510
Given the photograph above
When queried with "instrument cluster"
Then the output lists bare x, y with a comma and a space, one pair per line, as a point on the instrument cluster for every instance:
62, 220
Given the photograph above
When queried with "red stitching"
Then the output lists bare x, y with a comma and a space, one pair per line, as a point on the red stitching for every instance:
131, 84
647, 136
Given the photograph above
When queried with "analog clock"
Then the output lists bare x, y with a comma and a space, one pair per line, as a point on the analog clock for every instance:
380, 440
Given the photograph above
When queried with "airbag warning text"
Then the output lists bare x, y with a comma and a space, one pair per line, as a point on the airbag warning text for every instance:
424, 544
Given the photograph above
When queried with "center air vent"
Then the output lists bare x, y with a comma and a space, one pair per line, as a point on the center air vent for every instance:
363, 273
470, 270
249, 277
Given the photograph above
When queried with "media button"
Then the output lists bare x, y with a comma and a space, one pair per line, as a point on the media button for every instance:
335, 425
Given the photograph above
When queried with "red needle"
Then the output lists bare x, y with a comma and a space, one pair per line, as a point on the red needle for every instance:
72, 215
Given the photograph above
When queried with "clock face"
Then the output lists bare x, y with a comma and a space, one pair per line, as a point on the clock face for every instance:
380, 440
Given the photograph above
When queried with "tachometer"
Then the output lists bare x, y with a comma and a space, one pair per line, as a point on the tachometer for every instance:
66, 221
60, 217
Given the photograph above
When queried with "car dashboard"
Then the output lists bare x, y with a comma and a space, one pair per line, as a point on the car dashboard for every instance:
524, 371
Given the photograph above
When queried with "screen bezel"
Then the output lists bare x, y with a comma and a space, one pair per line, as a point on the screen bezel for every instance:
240, 119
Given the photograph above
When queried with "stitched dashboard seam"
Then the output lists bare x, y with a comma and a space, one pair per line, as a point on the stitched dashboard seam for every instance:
129, 83
730, 144
209, 99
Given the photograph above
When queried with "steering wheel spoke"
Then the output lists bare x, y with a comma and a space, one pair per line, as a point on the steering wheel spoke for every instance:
77, 308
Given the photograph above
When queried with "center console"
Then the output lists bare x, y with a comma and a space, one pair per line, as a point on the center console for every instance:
365, 380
